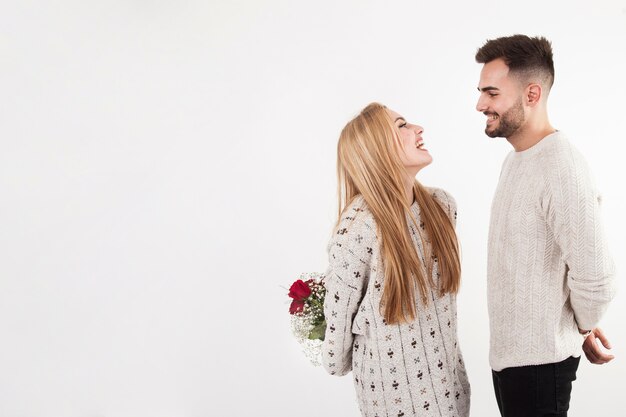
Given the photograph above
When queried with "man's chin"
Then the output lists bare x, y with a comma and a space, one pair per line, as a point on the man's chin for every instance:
492, 133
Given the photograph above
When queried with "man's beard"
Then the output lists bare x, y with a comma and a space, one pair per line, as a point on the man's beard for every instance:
510, 121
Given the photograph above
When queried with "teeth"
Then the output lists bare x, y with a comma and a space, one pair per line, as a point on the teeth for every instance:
419, 144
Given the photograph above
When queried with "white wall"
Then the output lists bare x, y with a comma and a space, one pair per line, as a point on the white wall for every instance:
166, 168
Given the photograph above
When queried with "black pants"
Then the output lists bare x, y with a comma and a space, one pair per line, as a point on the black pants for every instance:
537, 390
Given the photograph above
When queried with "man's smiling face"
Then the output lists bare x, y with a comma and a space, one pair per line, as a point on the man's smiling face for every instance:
500, 100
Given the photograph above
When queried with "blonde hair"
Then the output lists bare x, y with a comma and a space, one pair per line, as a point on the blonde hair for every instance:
369, 165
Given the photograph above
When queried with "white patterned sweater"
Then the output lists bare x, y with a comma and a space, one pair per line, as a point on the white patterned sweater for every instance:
549, 271
405, 370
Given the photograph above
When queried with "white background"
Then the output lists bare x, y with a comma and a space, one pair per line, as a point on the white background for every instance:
167, 169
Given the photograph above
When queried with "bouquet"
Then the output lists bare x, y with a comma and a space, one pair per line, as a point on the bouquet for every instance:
308, 323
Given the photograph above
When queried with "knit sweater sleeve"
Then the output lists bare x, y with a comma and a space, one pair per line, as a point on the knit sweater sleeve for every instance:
349, 253
572, 209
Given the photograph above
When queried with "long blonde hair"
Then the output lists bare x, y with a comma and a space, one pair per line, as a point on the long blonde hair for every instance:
368, 164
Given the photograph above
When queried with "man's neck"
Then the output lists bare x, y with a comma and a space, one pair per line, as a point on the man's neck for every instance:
530, 135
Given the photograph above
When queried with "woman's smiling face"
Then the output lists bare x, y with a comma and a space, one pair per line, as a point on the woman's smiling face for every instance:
413, 154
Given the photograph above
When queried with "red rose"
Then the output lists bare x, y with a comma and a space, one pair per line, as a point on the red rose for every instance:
296, 306
299, 290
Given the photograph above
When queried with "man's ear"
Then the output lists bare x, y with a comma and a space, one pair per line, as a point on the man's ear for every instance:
533, 94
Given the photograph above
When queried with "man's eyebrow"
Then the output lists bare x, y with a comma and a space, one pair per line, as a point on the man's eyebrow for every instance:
399, 118
488, 89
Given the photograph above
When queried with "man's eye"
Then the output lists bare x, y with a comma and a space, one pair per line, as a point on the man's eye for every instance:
492, 94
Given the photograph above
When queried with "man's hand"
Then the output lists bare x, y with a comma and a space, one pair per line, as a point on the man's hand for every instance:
592, 350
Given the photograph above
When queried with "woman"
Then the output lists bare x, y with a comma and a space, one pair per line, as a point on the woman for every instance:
393, 275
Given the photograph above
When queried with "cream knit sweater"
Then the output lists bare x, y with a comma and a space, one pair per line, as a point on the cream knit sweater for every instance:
549, 271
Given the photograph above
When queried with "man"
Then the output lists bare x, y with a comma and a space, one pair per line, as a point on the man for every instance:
549, 272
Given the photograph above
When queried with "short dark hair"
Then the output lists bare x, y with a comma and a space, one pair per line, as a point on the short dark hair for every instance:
528, 58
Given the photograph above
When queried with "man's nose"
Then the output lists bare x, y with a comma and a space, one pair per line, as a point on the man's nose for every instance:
480, 105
